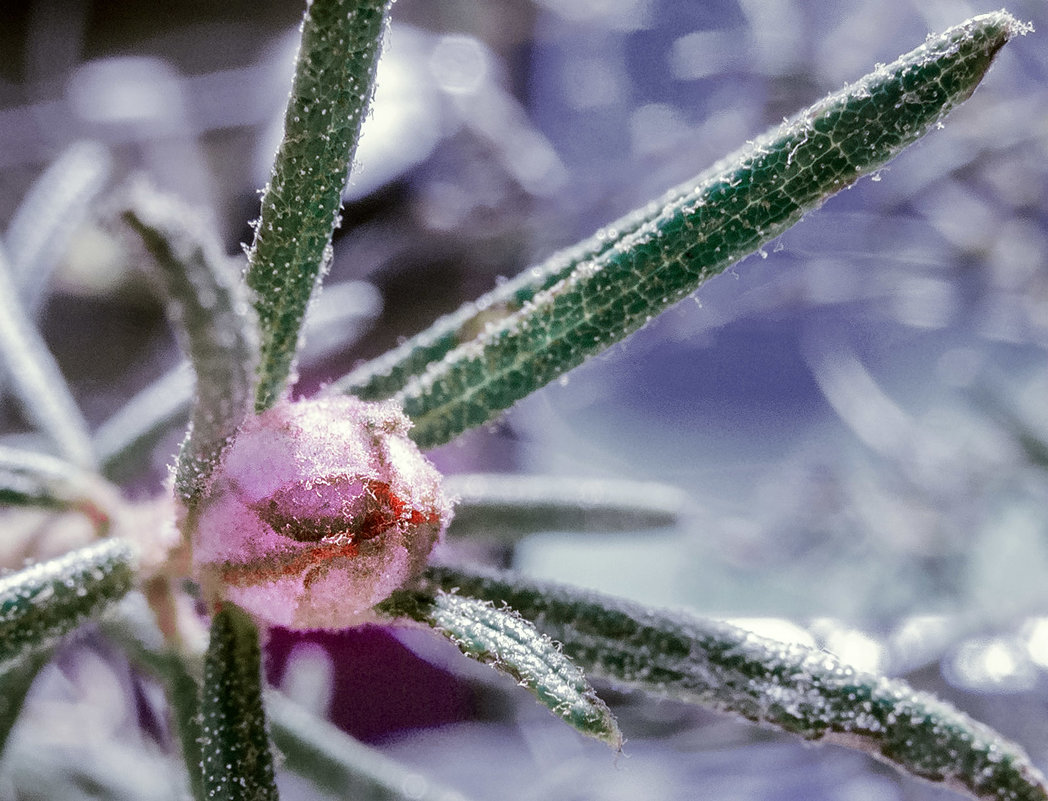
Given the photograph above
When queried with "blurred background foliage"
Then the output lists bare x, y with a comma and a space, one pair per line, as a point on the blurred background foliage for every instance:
858, 414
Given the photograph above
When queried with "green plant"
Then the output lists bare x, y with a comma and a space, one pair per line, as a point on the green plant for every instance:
296, 553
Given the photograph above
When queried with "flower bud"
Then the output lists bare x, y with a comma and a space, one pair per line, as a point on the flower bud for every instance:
317, 510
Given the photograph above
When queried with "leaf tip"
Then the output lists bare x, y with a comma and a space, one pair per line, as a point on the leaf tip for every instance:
991, 31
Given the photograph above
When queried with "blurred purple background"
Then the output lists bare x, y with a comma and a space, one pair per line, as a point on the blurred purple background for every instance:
858, 412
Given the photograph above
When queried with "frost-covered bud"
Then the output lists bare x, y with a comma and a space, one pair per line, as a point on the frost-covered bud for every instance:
317, 511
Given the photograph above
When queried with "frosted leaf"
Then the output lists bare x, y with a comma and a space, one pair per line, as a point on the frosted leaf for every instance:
208, 307
334, 79
653, 259
236, 759
506, 508
512, 645
45, 601
789, 687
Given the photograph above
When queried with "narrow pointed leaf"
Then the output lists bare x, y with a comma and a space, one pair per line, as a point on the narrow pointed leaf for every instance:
47, 218
41, 603
43, 226
499, 637
799, 690
34, 479
383, 376
334, 81
237, 761
136, 632
312, 747
341, 765
728, 212
42, 389
15, 682
207, 306
507, 507
125, 440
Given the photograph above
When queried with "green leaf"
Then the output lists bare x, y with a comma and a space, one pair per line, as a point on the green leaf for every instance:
385, 375
334, 81
43, 391
126, 439
238, 764
15, 682
506, 508
50, 214
499, 637
312, 747
799, 690
209, 311
41, 603
648, 262
136, 632
34, 479
342, 766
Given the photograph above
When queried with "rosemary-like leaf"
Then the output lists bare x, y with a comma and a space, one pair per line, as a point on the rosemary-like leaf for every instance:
341, 765
42, 389
28, 478
41, 603
237, 763
385, 375
47, 218
498, 636
206, 305
334, 81
15, 682
799, 690
505, 508
650, 261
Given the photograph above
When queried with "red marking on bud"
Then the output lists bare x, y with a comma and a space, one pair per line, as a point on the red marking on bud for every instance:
287, 564
334, 509
337, 512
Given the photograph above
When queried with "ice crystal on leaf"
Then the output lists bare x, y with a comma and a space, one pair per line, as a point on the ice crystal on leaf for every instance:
323, 513
318, 510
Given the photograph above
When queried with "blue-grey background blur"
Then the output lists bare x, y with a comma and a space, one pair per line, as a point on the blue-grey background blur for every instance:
857, 413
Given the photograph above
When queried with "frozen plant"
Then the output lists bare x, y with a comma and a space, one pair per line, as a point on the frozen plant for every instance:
323, 512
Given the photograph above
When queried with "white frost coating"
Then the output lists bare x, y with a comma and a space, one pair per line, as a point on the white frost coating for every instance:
511, 644
814, 694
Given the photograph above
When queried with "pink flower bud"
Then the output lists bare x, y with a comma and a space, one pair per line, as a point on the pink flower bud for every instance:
317, 511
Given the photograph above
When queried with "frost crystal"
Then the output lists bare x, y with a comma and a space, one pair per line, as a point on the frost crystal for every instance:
318, 510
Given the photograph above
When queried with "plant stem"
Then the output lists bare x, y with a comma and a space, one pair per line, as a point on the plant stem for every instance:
238, 764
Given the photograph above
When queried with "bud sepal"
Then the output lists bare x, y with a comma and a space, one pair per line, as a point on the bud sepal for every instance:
318, 510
